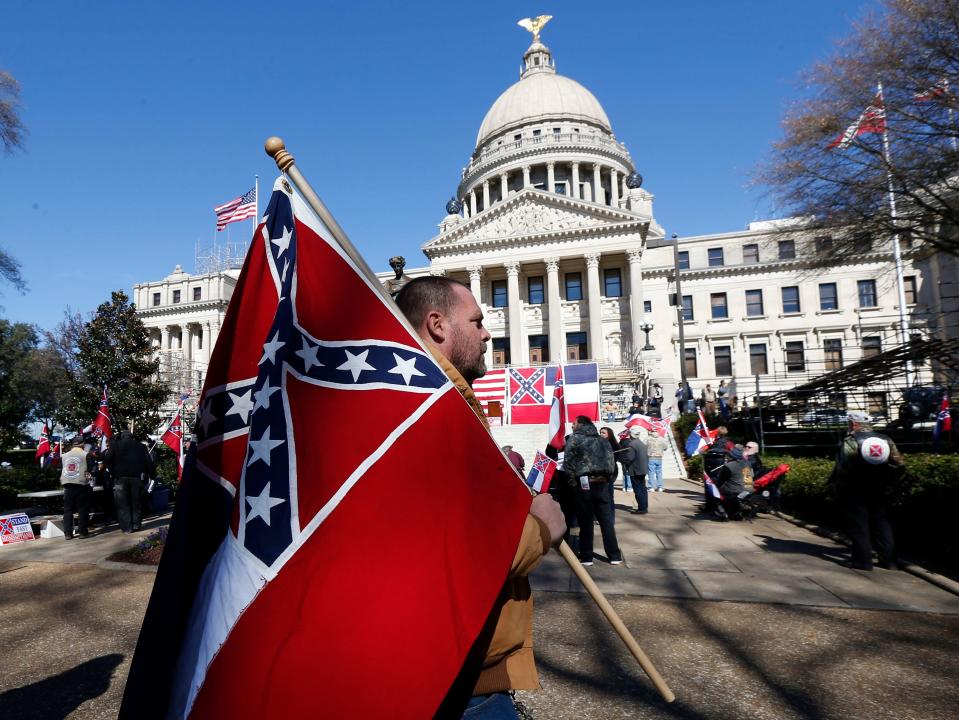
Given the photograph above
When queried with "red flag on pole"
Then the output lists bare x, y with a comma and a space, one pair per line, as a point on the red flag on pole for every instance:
557, 413
872, 120
284, 539
101, 423
172, 437
43, 446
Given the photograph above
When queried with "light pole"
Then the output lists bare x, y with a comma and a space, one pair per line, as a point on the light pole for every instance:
647, 327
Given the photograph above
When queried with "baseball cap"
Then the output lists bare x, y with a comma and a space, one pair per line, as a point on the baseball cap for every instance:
635, 431
857, 416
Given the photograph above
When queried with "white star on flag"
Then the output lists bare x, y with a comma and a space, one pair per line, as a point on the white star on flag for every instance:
308, 353
260, 505
242, 404
282, 242
263, 447
406, 368
262, 396
270, 348
207, 417
356, 363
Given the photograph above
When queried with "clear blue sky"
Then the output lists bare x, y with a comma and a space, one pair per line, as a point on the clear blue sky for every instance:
144, 116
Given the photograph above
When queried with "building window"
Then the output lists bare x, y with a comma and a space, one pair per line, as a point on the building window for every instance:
560, 187
647, 306
576, 346
537, 133
754, 303
196, 293
156, 299
501, 351
862, 242
723, 355
684, 259
787, 249
691, 368
687, 307
791, 299
877, 404
795, 356
716, 257
905, 240
871, 346
612, 283
574, 286
757, 359
838, 400
539, 348
833, 351
518, 137
750, 254
556, 131
867, 293
176, 296
824, 244
717, 303
828, 296
500, 294
535, 285
909, 285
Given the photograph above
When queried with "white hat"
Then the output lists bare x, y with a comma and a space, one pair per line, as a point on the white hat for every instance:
635, 431
857, 416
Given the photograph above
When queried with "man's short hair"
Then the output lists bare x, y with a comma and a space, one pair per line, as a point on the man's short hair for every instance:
424, 294
583, 420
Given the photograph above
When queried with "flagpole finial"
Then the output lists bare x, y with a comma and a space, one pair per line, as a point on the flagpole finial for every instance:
276, 149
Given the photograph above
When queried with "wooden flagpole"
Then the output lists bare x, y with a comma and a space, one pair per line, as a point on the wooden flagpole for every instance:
276, 149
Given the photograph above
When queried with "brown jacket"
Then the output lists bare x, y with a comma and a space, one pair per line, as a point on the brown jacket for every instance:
509, 661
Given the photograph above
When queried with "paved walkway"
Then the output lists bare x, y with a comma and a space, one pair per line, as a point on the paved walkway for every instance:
675, 552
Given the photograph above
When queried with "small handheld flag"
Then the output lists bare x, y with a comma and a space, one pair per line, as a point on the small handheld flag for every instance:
541, 473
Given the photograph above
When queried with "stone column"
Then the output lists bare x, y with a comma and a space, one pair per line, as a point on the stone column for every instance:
574, 190
214, 333
551, 176
207, 342
519, 353
188, 343
557, 338
598, 194
636, 313
165, 348
597, 343
486, 194
503, 186
473, 201
526, 176
613, 187
476, 277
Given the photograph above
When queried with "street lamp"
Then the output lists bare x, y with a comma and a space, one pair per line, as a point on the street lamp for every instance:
647, 327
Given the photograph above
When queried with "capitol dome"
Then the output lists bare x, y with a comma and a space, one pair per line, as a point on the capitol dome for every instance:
539, 97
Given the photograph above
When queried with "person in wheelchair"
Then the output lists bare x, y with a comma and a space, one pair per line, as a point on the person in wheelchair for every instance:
733, 480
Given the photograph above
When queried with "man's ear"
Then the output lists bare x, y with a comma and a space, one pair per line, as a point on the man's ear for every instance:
436, 326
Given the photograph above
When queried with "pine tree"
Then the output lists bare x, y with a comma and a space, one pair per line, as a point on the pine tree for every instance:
114, 350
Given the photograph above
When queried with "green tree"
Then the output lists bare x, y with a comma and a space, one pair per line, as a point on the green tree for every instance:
12, 134
912, 46
113, 350
17, 343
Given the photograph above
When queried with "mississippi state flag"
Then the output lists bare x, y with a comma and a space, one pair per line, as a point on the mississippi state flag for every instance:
531, 392
557, 413
172, 437
700, 438
269, 600
43, 446
541, 473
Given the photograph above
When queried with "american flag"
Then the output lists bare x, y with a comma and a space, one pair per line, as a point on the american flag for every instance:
241, 208
492, 386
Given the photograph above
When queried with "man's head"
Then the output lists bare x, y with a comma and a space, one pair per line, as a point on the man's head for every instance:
635, 431
445, 313
858, 421
752, 448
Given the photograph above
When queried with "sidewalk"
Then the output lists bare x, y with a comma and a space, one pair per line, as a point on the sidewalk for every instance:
674, 552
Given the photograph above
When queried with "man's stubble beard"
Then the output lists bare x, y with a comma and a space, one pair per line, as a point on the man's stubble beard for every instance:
470, 361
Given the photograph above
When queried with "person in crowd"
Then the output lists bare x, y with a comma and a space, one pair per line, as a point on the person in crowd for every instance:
656, 396
722, 396
714, 458
655, 447
129, 464
638, 469
636, 399
868, 466
751, 455
446, 316
635, 409
708, 398
515, 459
75, 478
733, 478
589, 461
609, 411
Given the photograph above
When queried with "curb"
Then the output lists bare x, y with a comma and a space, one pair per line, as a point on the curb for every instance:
940, 581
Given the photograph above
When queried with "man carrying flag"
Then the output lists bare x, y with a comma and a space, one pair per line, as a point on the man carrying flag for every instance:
268, 600
43, 446
943, 423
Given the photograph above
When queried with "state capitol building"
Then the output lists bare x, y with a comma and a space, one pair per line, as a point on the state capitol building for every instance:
554, 231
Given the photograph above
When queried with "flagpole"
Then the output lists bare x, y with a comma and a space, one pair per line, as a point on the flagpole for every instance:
256, 202
896, 251
276, 149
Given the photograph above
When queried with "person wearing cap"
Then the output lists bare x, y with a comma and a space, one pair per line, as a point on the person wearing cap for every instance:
732, 479
515, 459
638, 469
75, 478
868, 465
655, 447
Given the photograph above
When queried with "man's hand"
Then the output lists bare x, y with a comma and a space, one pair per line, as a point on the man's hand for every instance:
548, 510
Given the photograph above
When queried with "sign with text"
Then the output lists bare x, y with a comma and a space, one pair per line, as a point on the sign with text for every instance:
15, 528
